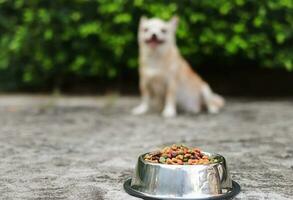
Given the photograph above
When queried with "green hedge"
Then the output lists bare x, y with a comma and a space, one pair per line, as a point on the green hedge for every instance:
44, 42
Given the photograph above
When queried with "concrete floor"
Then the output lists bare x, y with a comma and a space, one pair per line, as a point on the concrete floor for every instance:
85, 147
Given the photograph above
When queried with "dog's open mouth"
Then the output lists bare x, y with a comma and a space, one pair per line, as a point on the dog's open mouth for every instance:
154, 41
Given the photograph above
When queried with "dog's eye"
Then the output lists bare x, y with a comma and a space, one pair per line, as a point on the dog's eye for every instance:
163, 30
145, 30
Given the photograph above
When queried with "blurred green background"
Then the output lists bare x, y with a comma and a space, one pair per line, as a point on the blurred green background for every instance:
49, 45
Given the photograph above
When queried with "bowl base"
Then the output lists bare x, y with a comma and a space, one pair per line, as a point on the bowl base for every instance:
229, 195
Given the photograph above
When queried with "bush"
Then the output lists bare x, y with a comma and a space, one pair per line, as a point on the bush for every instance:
44, 43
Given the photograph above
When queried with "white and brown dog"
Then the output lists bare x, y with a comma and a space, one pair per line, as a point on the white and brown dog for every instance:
165, 75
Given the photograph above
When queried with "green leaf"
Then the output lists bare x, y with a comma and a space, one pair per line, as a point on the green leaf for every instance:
28, 15
75, 16
240, 2
122, 18
78, 63
225, 8
280, 37
27, 76
89, 28
112, 72
257, 22
48, 34
288, 64
239, 28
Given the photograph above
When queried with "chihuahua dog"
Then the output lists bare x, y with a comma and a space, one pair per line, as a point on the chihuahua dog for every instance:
166, 76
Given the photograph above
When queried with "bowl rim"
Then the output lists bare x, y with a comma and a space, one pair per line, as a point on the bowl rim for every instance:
234, 191
184, 166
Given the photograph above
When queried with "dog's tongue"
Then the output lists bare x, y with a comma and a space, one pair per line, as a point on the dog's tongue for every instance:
153, 42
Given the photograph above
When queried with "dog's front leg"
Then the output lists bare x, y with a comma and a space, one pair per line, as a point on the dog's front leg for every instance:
143, 107
170, 100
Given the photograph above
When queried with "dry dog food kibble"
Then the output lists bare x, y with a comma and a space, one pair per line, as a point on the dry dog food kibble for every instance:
179, 155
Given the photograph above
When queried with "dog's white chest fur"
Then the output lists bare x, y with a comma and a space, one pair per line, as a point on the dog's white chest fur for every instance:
153, 68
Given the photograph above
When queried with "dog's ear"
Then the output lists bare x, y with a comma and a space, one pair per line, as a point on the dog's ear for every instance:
142, 20
174, 22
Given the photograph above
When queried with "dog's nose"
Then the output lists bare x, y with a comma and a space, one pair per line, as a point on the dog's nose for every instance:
154, 36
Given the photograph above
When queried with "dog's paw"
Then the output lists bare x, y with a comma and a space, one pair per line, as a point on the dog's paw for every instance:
139, 110
213, 109
169, 112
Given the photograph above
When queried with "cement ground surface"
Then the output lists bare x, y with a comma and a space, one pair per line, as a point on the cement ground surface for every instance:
85, 147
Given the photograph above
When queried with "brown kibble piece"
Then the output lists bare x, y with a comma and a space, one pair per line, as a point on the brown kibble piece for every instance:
179, 162
174, 147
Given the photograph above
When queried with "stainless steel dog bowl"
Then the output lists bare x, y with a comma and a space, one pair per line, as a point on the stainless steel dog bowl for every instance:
184, 182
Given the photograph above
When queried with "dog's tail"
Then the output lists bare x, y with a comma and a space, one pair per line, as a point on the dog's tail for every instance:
212, 101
